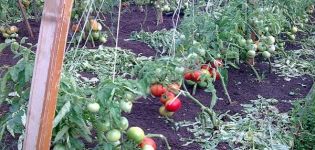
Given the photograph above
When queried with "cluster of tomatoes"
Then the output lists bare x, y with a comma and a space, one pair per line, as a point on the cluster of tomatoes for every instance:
96, 33
171, 103
9, 32
266, 46
135, 134
113, 136
206, 72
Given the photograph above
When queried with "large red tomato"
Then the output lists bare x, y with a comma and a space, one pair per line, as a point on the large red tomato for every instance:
173, 105
157, 90
167, 96
196, 75
188, 76
148, 141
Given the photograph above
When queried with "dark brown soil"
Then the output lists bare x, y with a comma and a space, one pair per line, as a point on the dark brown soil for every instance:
242, 84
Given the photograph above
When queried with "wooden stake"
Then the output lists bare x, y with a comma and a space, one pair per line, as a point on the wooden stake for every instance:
46, 75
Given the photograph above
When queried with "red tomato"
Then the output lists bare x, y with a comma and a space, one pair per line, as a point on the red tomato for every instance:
196, 75
157, 90
205, 66
173, 105
217, 63
188, 76
167, 96
148, 141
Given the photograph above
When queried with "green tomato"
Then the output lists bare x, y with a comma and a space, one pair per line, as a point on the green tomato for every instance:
93, 107
136, 134
103, 39
59, 147
272, 48
99, 26
252, 47
271, 40
292, 37
203, 84
126, 106
266, 54
179, 70
242, 42
294, 29
261, 47
186, 5
251, 54
249, 41
113, 135
266, 29
166, 8
124, 123
96, 35
129, 96
103, 126
5, 35
189, 82
192, 56
201, 51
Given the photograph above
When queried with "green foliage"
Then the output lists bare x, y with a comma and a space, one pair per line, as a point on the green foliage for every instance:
303, 116
11, 13
101, 61
262, 127
162, 41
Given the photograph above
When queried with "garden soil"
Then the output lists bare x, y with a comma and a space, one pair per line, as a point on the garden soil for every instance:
242, 85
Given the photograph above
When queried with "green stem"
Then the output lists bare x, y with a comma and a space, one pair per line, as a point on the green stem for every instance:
270, 67
161, 137
202, 107
255, 71
194, 89
224, 88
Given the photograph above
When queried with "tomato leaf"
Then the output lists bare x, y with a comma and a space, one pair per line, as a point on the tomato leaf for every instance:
23, 40
3, 46
61, 133
28, 72
62, 113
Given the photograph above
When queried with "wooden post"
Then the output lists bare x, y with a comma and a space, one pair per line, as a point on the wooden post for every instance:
46, 76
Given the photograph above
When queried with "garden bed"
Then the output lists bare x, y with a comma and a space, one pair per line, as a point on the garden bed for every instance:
242, 84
